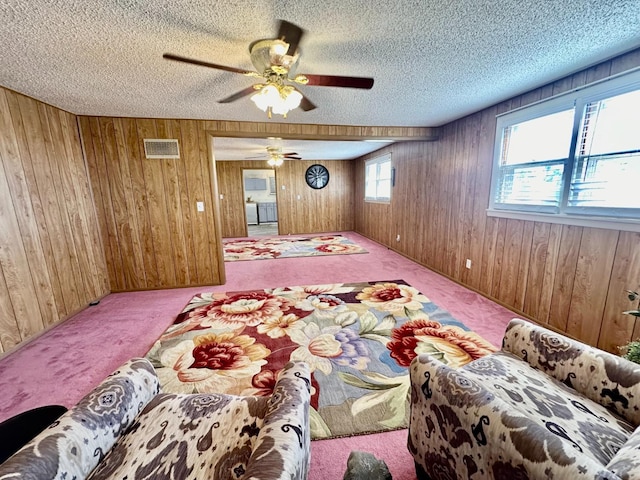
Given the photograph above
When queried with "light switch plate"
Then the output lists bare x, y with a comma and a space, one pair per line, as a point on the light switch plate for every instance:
200, 206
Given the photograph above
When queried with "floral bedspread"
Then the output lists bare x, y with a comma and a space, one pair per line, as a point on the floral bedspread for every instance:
358, 339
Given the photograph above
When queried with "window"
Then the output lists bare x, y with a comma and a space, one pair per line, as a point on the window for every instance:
378, 179
577, 155
606, 173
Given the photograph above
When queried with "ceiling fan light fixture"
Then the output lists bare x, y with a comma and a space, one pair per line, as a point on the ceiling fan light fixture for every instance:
293, 99
275, 161
278, 99
266, 97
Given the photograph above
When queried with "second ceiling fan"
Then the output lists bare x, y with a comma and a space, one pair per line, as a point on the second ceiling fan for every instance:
275, 156
275, 61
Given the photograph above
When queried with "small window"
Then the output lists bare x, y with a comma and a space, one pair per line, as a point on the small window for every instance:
378, 179
576, 156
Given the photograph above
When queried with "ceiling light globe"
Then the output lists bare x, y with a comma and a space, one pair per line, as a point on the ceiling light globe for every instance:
266, 97
280, 108
293, 99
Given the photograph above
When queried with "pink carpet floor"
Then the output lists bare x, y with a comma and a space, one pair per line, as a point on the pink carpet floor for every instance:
63, 364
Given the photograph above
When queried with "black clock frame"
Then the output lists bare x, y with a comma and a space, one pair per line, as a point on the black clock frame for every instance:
314, 173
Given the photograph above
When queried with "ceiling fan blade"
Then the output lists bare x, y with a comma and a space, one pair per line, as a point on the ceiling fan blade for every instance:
238, 95
337, 81
290, 153
306, 104
292, 157
291, 34
178, 58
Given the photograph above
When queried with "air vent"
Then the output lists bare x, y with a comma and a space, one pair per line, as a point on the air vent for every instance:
161, 148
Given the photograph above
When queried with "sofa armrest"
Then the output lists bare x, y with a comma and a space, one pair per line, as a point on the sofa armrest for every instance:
283, 446
626, 462
607, 379
73, 445
459, 428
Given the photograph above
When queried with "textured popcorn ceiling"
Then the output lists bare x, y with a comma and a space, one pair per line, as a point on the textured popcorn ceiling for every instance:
433, 60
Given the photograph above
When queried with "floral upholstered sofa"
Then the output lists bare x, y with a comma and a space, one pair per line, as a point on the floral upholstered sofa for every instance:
545, 406
125, 428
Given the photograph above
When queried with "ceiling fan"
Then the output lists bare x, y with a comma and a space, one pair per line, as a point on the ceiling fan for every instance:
276, 157
275, 61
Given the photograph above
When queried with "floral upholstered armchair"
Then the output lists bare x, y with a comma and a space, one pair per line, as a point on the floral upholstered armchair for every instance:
545, 406
125, 428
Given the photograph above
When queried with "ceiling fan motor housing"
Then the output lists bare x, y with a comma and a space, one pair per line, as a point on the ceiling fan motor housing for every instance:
267, 54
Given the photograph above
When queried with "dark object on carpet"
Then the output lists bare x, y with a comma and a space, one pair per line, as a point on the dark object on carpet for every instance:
364, 466
16, 432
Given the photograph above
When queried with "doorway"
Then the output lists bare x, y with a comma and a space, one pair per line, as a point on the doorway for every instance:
261, 203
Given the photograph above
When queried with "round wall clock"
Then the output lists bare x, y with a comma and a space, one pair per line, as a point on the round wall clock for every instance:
317, 176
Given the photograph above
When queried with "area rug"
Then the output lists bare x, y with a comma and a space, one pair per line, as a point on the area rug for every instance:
288, 247
358, 339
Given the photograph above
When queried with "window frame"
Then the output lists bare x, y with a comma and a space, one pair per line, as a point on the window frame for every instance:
380, 159
578, 99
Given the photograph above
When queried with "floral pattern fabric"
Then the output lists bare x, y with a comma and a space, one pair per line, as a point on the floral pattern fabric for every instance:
126, 429
358, 340
288, 247
499, 417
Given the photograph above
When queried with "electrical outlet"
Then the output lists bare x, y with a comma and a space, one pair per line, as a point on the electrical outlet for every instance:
468, 263
398, 238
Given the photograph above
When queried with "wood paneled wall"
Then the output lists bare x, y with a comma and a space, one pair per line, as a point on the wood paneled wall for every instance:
570, 278
326, 210
51, 258
154, 236
302, 209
